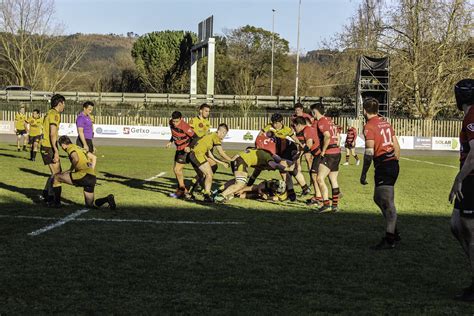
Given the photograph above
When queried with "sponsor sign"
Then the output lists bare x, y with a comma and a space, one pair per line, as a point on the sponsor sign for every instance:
422, 143
6, 127
406, 142
445, 143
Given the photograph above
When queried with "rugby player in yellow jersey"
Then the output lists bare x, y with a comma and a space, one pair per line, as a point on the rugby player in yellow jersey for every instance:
35, 124
203, 150
20, 128
286, 150
81, 174
256, 158
269, 190
201, 127
49, 143
201, 124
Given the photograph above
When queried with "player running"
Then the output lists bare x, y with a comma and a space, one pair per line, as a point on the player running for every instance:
350, 144
49, 144
183, 136
81, 174
381, 146
203, 150
201, 124
20, 128
462, 192
330, 158
312, 151
35, 123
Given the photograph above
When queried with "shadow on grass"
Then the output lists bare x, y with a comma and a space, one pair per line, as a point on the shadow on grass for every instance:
276, 262
13, 156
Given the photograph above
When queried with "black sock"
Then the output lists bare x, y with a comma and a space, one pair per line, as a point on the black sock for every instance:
57, 195
34, 154
101, 201
304, 187
347, 158
214, 168
390, 237
356, 157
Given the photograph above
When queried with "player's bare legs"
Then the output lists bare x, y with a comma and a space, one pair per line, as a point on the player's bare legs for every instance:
239, 184
323, 172
384, 197
208, 174
178, 172
335, 190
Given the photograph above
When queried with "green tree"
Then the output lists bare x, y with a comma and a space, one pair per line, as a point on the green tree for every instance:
249, 49
163, 60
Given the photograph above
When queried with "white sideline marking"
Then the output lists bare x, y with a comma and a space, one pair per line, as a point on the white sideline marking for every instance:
110, 220
157, 176
61, 222
430, 163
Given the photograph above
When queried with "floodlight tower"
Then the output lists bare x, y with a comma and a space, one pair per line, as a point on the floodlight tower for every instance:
206, 46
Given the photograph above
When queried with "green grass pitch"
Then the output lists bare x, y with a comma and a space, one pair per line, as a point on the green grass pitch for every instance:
281, 259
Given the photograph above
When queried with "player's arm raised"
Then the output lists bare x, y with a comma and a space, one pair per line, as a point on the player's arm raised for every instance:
466, 169
368, 157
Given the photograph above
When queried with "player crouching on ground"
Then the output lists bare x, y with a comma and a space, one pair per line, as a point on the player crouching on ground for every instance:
184, 138
81, 174
258, 158
462, 192
268, 190
381, 146
202, 151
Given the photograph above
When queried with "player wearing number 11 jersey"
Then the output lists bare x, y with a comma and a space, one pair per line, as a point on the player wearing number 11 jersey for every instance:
382, 147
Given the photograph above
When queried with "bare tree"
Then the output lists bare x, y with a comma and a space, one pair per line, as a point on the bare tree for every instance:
31, 51
429, 41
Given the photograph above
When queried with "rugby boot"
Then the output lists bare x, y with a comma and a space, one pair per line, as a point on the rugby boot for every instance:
335, 209
111, 201
180, 192
219, 198
357, 162
345, 164
306, 190
324, 209
291, 195
208, 199
313, 201
384, 244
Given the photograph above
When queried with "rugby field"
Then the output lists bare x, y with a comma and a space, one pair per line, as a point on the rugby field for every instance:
156, 255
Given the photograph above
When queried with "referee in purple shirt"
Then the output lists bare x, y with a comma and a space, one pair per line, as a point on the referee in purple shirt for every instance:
85, 130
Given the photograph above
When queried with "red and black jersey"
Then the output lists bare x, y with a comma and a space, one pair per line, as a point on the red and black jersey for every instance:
181, 134
306, 116
467, 134
266, 143
351, 136
307, 133
325, 124
381, 132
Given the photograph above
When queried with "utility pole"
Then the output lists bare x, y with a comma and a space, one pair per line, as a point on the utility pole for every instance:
273, 49
298, 53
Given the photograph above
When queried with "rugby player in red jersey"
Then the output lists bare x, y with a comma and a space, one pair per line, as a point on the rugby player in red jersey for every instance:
182, 135
381, 146
299, 112
350, 144
330, 158
462, 192
312, 151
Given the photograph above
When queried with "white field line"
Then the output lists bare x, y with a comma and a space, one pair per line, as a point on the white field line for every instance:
61, 222
430, 163
115, 220
157, 176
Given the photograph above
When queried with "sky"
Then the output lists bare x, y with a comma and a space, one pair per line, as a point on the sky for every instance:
320, 19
